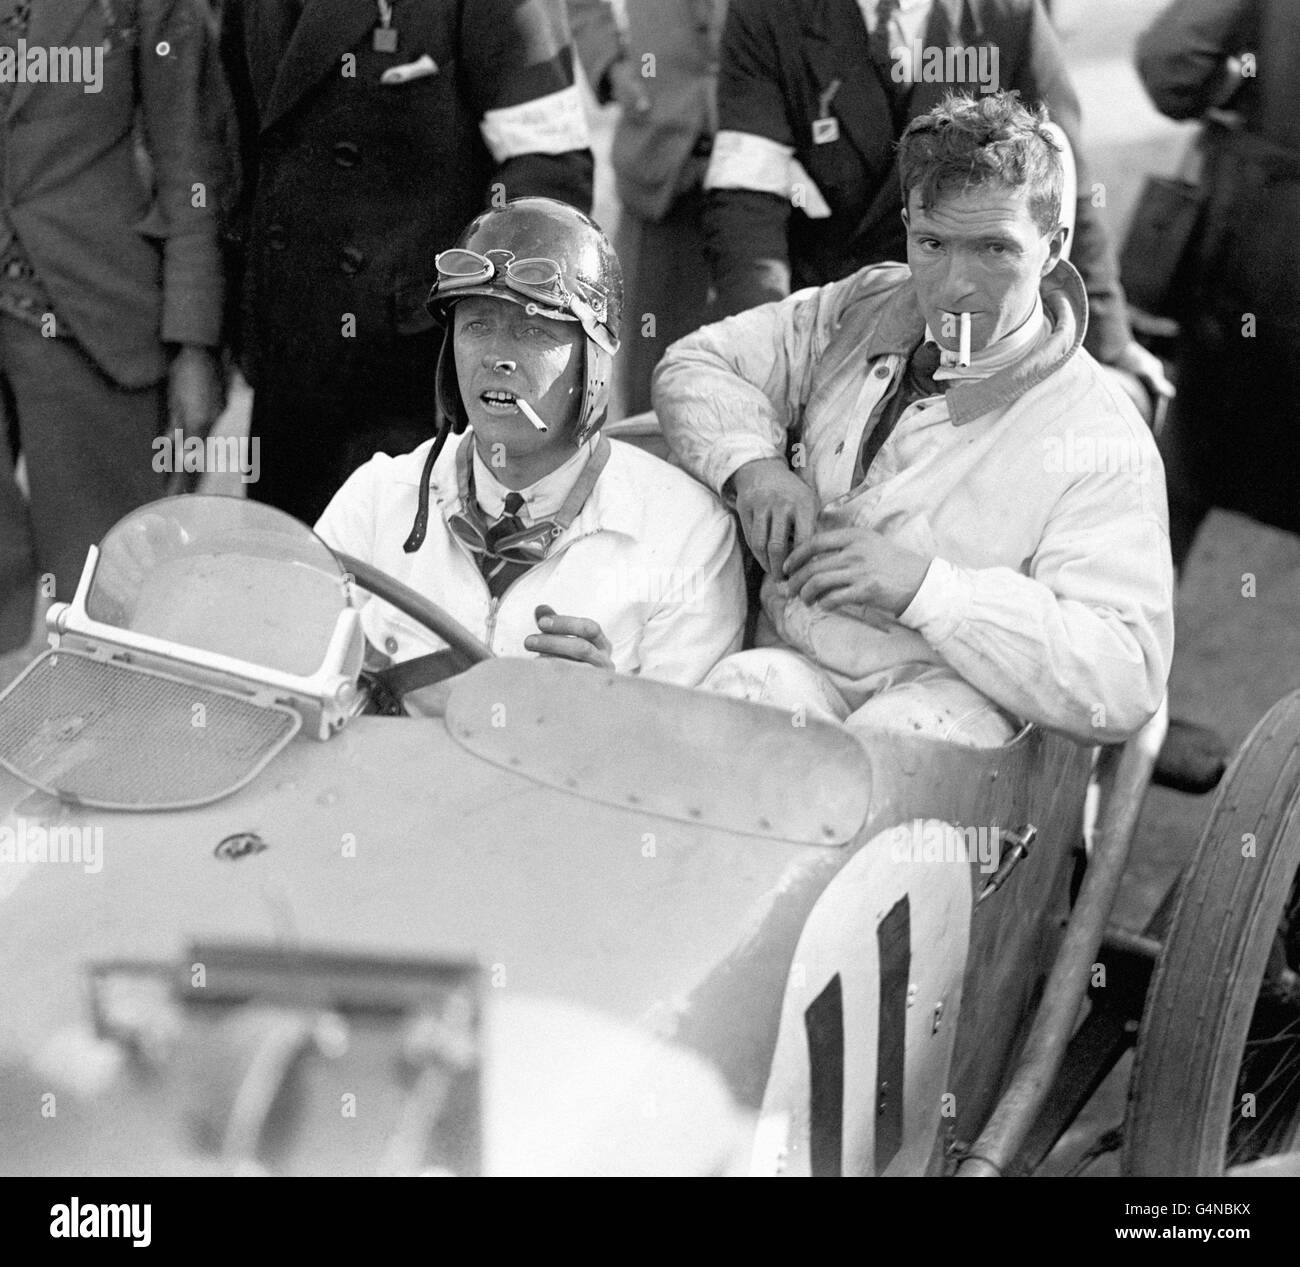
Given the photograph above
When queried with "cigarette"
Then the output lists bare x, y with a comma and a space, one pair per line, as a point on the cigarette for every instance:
530, 413
963, 350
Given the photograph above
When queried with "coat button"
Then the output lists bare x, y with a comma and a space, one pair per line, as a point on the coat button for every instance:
276, 238
390, 645
351, 260
347, 153
882, 371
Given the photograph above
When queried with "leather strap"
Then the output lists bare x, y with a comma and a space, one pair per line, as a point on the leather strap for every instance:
389, 686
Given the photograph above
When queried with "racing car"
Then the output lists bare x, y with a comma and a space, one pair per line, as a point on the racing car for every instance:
577, 922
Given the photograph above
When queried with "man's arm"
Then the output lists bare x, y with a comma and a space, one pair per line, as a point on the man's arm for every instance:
598, 42
747, 208
187, 120
1043, 77
730, 393
1082, 644
185, 111
702, 618
518, 63
1182, 56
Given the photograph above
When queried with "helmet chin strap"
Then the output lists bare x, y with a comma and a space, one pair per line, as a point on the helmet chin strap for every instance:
420, 528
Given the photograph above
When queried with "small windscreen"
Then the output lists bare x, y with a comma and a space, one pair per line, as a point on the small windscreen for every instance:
223, 575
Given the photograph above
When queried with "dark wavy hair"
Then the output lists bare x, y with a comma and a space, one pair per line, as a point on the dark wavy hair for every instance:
968, 142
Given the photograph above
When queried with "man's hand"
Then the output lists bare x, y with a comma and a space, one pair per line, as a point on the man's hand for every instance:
855, 567
570, 638
777, 510
1146, 367
195, 399
627, 87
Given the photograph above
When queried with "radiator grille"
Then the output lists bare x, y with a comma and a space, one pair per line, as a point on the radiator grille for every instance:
117, 736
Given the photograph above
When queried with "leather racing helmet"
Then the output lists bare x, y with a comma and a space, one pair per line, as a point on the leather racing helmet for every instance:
550, 258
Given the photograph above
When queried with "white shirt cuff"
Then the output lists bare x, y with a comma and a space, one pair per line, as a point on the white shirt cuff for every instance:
940, 605
722, 466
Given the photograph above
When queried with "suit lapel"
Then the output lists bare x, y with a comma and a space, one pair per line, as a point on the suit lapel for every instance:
52, 23
326, 30
835, 47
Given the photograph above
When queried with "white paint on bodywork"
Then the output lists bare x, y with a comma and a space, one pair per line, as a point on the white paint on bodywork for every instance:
840, 937
571, 1091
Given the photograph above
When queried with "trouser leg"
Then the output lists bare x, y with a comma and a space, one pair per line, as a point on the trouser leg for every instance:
938, 704
88, 443
1189, 502
780, 678
1187, 513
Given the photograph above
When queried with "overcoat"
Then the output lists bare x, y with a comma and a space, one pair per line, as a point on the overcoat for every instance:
355, 184
1233, 438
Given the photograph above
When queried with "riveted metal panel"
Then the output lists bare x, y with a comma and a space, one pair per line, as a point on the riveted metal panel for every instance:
685, 755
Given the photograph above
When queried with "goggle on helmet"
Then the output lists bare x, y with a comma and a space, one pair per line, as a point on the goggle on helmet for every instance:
555, 262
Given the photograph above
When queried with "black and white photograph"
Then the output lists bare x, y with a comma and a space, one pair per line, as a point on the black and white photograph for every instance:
649, 589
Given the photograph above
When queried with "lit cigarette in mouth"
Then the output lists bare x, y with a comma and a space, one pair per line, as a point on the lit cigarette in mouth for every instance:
963, 348
530, 413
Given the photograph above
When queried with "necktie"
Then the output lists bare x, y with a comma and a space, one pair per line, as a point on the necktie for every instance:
920, 371
499, 573
880, 40
916, 383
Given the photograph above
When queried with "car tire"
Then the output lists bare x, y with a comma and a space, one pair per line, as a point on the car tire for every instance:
1222, 1018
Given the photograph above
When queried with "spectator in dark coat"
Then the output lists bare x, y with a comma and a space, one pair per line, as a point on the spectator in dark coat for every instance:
372, 132
813, 96
1233, 434
1233, 437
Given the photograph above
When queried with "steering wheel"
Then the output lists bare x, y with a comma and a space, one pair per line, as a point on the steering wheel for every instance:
463, 649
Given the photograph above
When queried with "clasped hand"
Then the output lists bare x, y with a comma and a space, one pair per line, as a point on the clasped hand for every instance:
834, 566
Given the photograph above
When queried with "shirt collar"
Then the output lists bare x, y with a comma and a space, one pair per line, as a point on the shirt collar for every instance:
543, 498
615, 504
898, 326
